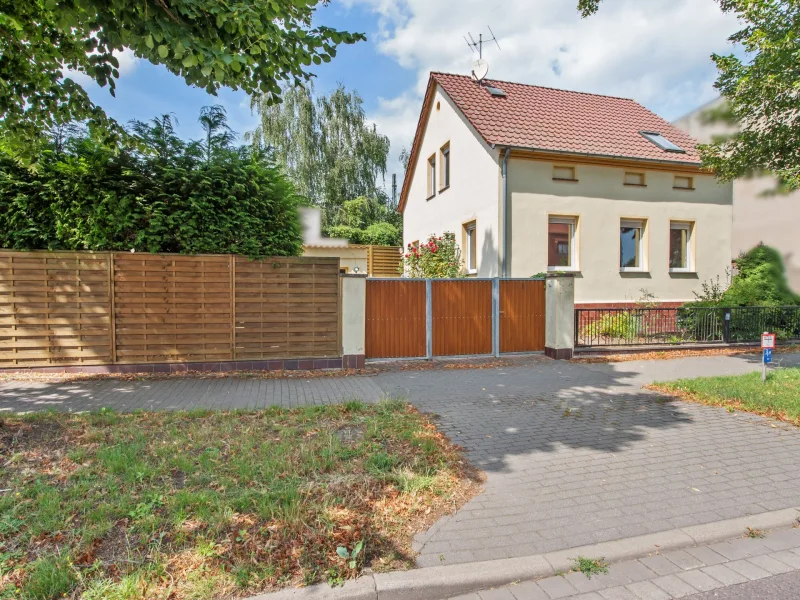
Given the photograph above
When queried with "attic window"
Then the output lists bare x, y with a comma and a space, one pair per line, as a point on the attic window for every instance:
496, 91
659, 140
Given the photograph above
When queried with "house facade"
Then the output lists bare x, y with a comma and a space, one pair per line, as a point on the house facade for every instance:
534, 179
759, 215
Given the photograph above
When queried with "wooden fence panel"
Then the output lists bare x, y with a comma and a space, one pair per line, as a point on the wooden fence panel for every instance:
395, 319
286, 307
55, 309
522, 316
384, 261
462, 317
172, 308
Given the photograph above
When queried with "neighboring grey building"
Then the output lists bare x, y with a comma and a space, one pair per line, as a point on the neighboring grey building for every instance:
771, 219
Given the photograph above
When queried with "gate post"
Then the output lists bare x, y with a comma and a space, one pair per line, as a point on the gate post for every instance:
560, 319
496, 317
428, 319
354, 315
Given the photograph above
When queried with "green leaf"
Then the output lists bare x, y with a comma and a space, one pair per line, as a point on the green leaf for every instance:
342, 552
189, 61
148, 40
163, 51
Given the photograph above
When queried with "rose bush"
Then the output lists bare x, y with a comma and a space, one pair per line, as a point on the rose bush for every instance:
439, 257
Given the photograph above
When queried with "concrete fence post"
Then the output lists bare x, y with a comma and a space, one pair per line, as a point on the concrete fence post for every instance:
560, 316
354, 326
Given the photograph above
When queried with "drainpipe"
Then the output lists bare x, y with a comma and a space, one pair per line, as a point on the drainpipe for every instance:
504, 268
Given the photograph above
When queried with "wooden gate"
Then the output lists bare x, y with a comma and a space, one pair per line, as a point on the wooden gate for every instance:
522, 315
395, 319
462, 317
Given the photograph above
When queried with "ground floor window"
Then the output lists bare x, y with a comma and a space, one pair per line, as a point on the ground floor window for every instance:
631, 245
561, 243
471, 247
680, 246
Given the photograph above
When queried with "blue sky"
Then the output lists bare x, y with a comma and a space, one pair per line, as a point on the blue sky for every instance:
655, 51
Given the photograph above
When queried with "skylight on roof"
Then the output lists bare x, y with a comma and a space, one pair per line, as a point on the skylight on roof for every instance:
496, 91
662, 142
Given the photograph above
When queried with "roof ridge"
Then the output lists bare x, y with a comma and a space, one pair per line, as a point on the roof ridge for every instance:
533, 85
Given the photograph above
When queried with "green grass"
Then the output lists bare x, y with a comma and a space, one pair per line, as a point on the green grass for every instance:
208, 505
779, 397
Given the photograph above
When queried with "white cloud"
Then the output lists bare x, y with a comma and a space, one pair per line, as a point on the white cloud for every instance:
127, 64
654, 51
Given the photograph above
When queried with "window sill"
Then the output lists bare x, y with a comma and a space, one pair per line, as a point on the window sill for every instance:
471, 273
431, 197
680, 189
682, 272
563, 269
565, 180
635, 184
445, 188
630, 270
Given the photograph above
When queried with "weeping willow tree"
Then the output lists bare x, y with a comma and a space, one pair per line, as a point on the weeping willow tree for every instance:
330, 151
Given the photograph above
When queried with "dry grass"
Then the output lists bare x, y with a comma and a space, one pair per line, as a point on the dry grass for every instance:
212, 505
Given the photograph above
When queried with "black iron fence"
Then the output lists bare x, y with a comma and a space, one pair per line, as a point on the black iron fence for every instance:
686, 325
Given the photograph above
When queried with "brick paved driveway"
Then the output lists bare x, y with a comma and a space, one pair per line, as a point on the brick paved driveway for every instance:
574, 454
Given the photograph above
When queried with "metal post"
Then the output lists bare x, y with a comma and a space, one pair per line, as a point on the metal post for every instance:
726, 326
428, 319
496, 317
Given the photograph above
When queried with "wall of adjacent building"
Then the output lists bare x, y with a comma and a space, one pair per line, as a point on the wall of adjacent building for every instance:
473, 194
599, 200
758, 216
349, 257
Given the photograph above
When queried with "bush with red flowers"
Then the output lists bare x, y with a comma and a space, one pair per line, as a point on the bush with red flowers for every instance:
439, 257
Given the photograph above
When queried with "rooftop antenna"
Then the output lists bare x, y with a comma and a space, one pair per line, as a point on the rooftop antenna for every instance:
480, 68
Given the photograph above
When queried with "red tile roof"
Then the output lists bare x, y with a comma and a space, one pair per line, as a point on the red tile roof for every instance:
548, 119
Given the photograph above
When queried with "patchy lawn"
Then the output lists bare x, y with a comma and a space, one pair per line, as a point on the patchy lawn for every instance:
216, 505
779, 397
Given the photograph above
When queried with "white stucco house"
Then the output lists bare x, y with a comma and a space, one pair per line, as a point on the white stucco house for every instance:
534, 179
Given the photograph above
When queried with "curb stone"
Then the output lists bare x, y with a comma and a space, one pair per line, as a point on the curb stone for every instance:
433, 583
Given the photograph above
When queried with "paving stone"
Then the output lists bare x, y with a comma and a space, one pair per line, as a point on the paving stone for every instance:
647, 590
557, 587
724, 575
618, 593
787, 557
632, 570
499, 594
683, 559
675, 586
660, 565
699, 580
528, 590
706, 555
771, 565
748, 569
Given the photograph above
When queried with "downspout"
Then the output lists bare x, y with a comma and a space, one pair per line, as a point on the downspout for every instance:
504, 268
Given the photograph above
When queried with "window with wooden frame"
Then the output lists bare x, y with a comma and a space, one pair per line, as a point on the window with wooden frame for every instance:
431, 177
471, 247
683, 182
680, 247
631, 245
562, 173
635, 179
561, 244
445, 162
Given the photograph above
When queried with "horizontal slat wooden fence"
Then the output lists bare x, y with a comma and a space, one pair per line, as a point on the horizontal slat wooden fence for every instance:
384, 261
84, 308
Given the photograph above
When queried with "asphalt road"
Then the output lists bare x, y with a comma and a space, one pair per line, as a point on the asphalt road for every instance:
779, 587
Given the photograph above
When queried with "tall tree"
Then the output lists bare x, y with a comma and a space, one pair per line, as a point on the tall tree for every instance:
330, 151
238, 43
762, 90
219, 135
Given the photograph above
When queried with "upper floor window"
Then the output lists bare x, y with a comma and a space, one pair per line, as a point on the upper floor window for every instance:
445, 159
680, 246
631, 245
432, 176
564, 173
632, 178
682, 182
561, 244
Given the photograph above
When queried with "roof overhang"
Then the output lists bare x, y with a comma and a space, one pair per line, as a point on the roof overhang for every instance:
605, 159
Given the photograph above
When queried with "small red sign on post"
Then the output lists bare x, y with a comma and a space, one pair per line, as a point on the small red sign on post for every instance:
768, 341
